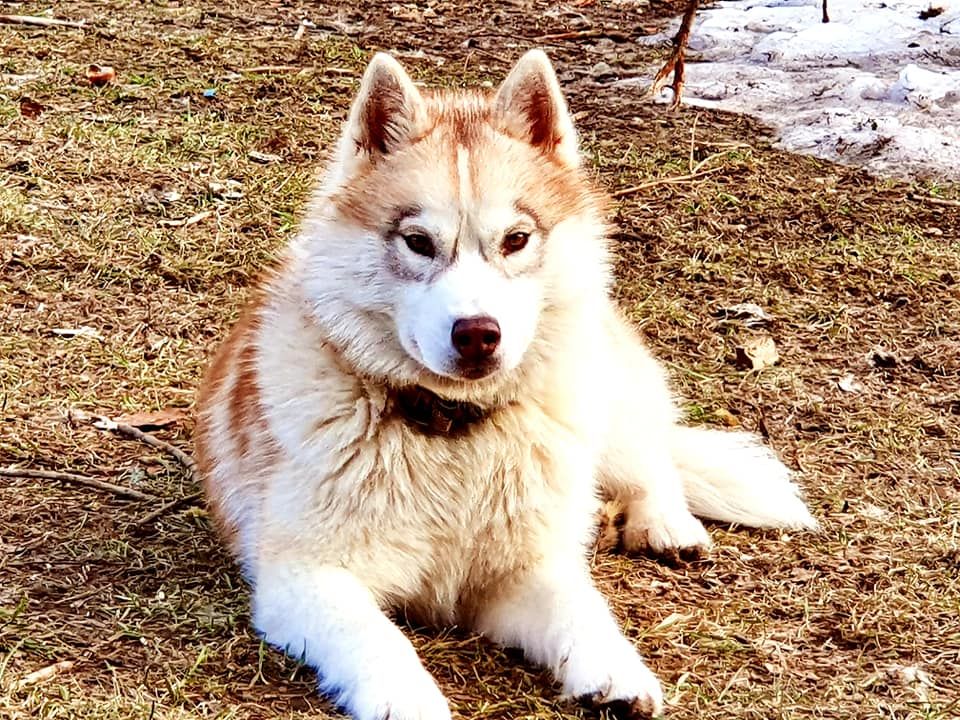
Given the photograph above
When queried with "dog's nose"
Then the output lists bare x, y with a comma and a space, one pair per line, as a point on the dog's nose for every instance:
476, 338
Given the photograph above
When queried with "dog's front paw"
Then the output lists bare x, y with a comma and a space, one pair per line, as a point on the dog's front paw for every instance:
398, 697
618, 679
669, 535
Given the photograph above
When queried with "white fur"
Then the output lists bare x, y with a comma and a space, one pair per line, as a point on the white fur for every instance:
470, 288
327, 618
343, 511
731, 477
561, 621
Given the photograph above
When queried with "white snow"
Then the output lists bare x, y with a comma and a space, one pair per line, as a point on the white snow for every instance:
876, 87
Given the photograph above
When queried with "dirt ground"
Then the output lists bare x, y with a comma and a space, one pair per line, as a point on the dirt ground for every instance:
143, 212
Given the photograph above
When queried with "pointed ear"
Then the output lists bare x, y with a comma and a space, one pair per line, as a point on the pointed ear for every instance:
388, 111
530, 107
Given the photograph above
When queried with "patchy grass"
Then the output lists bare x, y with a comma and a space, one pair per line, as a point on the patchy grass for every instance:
137, 210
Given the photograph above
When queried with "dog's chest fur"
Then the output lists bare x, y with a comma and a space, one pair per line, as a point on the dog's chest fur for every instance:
429, 522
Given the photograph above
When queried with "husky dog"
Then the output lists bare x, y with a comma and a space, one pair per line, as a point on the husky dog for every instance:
422, 405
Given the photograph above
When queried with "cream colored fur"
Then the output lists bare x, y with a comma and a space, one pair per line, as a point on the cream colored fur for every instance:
339, 511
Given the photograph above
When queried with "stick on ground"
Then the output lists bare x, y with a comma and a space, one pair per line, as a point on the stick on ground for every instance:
673, 180
167, 507
40, 21
44, 674
697, 171
675, 61
78, 480
105, 423
945, 202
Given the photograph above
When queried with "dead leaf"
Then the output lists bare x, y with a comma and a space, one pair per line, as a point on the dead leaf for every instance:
609, 522
100, 75
849, 383
912, 677
263, 158
726, 417
747, 314
757, 353
156, 420
84, 331
31, 108
230, 190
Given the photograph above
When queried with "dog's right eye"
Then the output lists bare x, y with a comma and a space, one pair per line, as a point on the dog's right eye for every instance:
420, 244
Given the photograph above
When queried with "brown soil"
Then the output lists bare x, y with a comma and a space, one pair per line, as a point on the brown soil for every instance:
861, 620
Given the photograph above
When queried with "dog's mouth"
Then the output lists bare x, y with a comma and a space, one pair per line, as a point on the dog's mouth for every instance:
459, 369
477, 370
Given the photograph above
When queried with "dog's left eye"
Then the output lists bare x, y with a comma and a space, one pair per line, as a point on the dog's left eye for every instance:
514, 242
421, 244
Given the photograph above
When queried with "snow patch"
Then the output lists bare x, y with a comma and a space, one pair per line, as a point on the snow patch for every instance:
876, 87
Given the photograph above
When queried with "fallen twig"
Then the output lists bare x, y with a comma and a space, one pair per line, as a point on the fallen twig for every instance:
40, 21
572, 35
105, 423
271, 69
44, 674
167, 507
77, 480
186, 222
677, 179
693, 143
946, 202
188, 463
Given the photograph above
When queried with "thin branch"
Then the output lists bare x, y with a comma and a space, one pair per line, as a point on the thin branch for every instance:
945, 202
40, 21
44, 674
693, 142
826, 15
77, 480
188, 463
271, 69
675, 180
167, 507
675, 61
572, 35
696, 172
105, 423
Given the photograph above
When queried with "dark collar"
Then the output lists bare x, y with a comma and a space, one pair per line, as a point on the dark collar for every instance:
433, 415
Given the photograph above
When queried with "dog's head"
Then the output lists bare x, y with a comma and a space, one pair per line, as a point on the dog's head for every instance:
451, 225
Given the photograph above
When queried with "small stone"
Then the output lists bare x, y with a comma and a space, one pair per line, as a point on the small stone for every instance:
602, 72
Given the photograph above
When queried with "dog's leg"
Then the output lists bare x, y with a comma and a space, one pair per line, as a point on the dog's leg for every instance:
656, 516
637, 465
561, 620
327, 618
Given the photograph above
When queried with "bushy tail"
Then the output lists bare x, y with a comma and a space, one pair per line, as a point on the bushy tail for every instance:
731, 477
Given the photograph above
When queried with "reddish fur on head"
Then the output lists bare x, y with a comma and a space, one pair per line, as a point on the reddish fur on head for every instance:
522, 131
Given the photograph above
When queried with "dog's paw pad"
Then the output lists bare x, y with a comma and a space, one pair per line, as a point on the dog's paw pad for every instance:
668, 538
640, 708
619, 680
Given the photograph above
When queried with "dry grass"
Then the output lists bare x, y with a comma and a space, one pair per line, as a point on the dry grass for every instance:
155, 620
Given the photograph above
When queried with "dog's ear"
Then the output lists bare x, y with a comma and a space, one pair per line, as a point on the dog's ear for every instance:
388, 110
530, 106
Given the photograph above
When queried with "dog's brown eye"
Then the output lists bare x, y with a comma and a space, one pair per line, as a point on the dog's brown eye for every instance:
515, 241
420, 244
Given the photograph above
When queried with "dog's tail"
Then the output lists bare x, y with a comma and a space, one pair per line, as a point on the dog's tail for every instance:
731, 477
